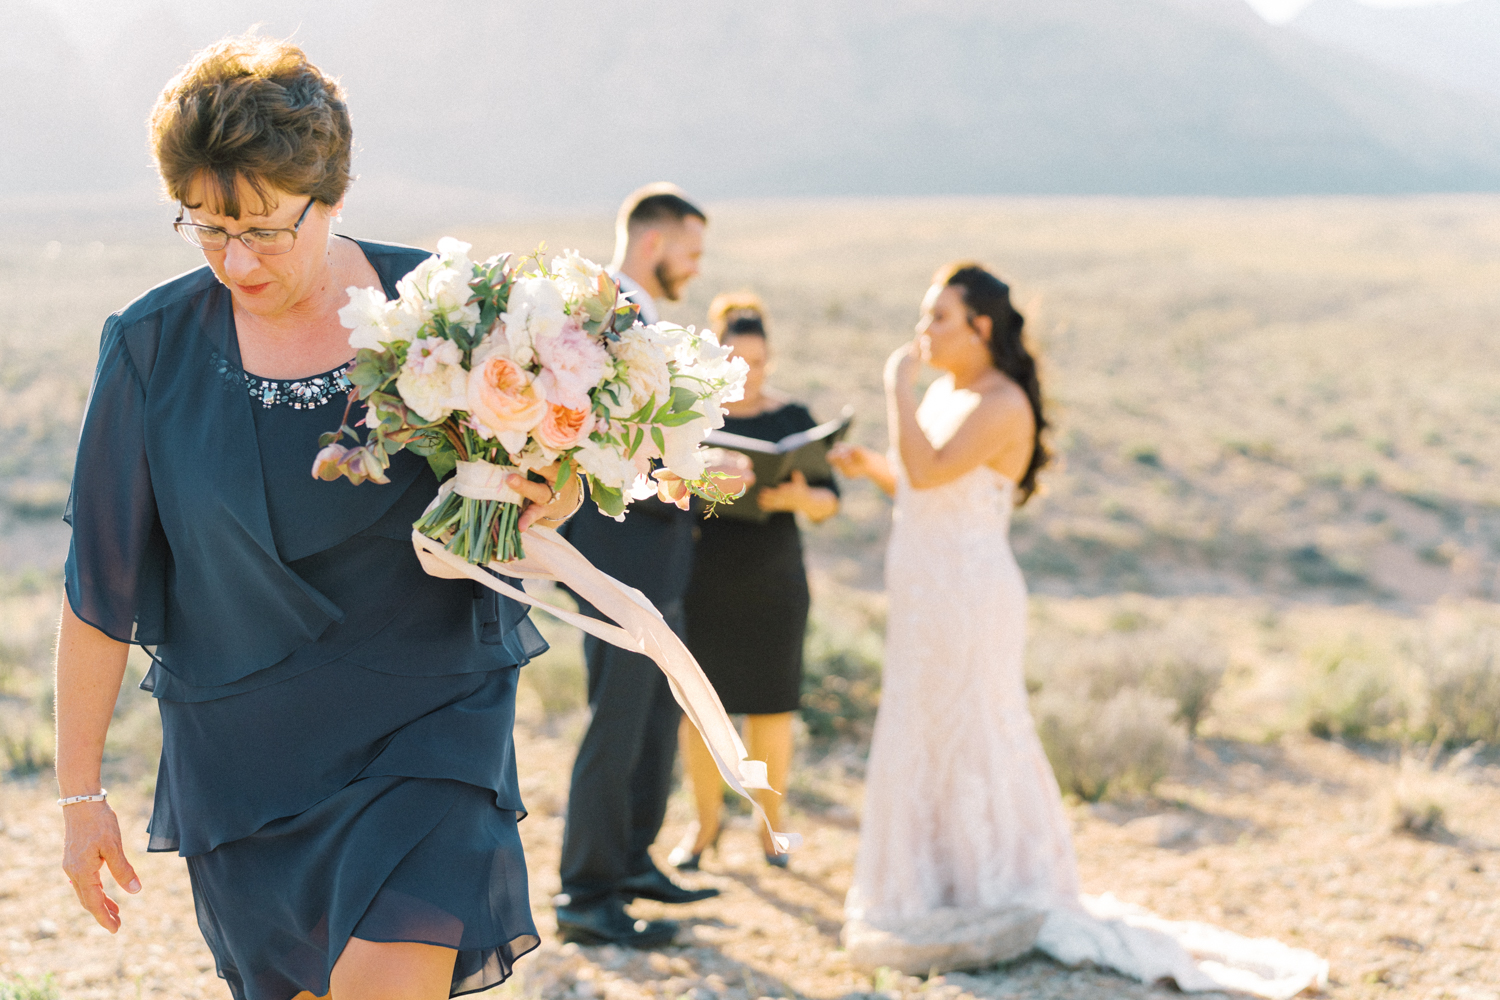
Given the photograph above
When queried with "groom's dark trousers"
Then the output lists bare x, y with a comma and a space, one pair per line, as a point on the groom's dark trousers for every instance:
623, 773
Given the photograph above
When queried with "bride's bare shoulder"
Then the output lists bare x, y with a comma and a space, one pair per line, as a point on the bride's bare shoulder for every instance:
1001, 398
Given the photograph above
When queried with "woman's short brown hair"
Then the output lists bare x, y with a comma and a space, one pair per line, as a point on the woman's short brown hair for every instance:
732, 305
252, 108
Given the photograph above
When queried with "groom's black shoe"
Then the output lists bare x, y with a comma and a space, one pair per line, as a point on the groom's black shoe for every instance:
606, 922
652, 884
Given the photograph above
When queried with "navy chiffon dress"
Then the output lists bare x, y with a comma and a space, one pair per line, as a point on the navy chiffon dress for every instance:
337, 753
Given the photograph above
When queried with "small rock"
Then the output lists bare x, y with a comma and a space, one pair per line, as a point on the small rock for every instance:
1163, 830
46, 929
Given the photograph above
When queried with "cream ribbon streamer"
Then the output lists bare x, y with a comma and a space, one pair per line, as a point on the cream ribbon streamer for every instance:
485, 481
638, 627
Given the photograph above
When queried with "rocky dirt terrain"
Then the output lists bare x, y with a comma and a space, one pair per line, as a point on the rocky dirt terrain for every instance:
1289, 840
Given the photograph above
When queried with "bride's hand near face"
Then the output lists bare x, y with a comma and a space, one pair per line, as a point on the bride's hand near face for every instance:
901, 368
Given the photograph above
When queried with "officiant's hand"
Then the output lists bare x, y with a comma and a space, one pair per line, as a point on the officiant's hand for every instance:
738, 471
818, 502
545, 503
734, 468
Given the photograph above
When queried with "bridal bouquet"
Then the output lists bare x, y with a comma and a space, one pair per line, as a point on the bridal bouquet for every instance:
507, 366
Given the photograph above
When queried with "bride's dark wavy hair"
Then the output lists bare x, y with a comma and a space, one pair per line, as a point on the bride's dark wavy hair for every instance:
986, 295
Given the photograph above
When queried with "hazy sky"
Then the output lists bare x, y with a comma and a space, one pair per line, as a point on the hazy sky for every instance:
85, 15
1284, 10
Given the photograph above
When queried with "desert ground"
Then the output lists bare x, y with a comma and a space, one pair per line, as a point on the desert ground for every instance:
1264, 643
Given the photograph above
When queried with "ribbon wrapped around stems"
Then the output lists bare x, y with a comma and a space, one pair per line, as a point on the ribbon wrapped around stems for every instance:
638, 627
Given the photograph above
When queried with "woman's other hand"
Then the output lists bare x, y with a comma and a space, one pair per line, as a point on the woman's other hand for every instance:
544, 502
91, 839
817, 502
855, 461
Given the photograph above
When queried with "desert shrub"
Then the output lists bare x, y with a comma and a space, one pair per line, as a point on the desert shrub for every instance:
1187, 667
1350, 696
841, 674
21, 988
1125, 743
1461, 681
1177, 662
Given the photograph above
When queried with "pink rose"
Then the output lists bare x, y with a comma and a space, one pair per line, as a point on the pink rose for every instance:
572, 365
563, 427
504, 398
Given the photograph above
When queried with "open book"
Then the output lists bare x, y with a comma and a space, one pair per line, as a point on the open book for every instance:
775, 461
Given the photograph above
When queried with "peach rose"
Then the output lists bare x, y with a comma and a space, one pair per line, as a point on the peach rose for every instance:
563, 428
672, 488
503, 398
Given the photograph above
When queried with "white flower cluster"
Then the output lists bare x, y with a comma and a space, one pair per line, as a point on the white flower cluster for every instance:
548, 379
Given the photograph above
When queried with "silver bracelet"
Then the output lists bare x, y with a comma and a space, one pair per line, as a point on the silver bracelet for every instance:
73, 799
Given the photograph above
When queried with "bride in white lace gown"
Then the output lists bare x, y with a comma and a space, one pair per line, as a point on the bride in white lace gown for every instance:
965, 854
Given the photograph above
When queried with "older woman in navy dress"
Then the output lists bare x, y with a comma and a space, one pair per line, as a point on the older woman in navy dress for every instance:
337, 762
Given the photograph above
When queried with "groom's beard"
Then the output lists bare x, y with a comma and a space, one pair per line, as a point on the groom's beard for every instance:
670, 281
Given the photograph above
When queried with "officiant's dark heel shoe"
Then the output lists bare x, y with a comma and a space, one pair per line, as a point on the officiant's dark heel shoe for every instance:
683, 858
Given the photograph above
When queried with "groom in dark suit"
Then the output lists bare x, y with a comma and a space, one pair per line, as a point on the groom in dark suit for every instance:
623, 773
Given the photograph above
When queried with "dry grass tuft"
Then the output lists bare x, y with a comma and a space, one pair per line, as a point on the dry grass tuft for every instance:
1424, 789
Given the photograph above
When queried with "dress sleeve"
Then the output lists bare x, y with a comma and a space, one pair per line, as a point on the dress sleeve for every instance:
117, 561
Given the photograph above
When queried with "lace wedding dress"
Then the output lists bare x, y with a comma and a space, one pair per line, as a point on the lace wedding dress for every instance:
965, 855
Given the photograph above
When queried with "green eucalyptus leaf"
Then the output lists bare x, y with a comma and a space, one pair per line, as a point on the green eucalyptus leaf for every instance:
644, 413
659, 438
683, 399
442, 462
678, 419
608, 499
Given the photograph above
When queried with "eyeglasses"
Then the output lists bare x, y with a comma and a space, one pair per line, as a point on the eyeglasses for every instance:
261, 241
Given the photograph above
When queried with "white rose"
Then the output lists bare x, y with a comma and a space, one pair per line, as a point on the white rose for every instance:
364, 317
674, 340
605, 463
578, 275
434, 394
456, 253
534, 313
426, 354
440, 285
642, 367
450, 293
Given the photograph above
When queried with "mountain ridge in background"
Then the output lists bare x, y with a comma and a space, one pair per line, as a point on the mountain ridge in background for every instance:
508, 105
1454, 45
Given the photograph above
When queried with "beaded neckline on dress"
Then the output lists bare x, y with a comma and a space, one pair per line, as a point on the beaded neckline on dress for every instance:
300, 393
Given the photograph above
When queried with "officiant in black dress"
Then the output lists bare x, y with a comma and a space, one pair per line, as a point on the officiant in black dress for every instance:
747, 602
